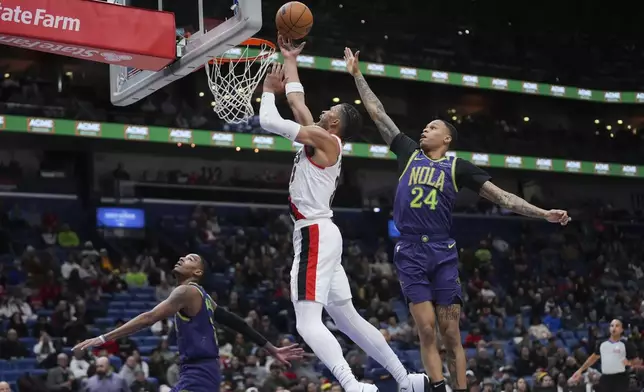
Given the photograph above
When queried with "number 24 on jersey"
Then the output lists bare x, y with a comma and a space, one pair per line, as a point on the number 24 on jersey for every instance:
424, 197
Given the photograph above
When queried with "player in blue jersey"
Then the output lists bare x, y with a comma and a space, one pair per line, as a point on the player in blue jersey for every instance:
426, 257
195, 315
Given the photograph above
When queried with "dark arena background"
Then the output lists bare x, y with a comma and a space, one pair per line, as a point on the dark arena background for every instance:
97, 202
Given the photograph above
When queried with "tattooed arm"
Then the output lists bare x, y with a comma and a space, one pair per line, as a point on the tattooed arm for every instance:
510, 201
516, 204
374, 107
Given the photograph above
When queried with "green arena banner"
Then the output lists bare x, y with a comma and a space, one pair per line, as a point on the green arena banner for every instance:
195, 137
462, 80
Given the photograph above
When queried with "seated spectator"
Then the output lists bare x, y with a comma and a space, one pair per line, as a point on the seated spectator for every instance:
128, 369
11, 347
89, 251
4, 386
69, 266
42, 325
484, 364
141, 364
267, 329
17, 305
524, 364
106, 262
522, 385
60, 378
276, 379
44, 348
158, 366
105, 380
164, 351
67, 238
172, 375
79, 365
141, 384
162, 328
87, 271
538, 330
49, 237
553, 320
136, 277
473, 337
163, 291
18, 325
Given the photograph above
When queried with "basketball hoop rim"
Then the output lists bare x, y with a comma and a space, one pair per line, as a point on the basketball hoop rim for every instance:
257, 42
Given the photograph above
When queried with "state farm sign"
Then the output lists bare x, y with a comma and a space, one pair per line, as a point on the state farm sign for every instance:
79, 29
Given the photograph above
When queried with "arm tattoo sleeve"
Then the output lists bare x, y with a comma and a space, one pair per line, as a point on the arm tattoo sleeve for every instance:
388, 130
509, 201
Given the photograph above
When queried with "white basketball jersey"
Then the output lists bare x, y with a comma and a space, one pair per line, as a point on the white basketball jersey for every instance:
312, 187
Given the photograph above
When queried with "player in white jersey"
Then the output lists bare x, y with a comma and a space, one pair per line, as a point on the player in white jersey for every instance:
318, 280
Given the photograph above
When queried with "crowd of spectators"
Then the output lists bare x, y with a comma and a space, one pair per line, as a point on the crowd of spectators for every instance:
532, 324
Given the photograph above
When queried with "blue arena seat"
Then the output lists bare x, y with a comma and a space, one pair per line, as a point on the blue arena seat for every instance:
115, 312
121, 297
131, 313
12, 375
24, 363
138, 305
115, 362
29, 342
147, 350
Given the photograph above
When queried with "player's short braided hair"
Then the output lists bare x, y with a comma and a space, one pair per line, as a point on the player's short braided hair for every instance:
351, 120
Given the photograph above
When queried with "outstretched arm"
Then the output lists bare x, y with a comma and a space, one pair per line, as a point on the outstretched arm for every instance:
178, 299
388, 130
589, 362
517, 205
293, 87
327, 146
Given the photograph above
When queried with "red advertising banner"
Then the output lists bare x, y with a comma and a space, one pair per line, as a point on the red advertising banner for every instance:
90, 30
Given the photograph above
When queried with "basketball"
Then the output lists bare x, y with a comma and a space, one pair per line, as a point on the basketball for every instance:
294, 20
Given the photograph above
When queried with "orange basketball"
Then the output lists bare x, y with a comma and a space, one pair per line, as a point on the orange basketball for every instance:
294, 20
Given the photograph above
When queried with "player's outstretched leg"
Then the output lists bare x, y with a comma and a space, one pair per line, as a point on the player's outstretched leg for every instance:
325, 346
365, 335
425, 318
449, 317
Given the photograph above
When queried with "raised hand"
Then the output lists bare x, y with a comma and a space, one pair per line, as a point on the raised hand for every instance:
558, 216
274, 80
88, 344
351, 60
288, 48
287, 354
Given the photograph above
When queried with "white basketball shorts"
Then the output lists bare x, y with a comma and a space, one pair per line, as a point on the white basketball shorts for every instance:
317, 273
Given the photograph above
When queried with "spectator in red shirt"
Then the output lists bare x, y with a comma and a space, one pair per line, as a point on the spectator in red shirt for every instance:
472, 338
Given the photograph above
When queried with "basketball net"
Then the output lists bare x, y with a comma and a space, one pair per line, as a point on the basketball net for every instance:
232, 81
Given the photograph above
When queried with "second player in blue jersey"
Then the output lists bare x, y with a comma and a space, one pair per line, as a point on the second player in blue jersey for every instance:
425, 256
196, 315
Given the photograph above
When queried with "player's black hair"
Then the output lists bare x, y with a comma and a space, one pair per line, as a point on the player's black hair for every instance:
351, 121
206, 278
452, 131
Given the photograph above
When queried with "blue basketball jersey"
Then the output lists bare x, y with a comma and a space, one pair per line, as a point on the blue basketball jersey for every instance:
425, 196
197, 335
